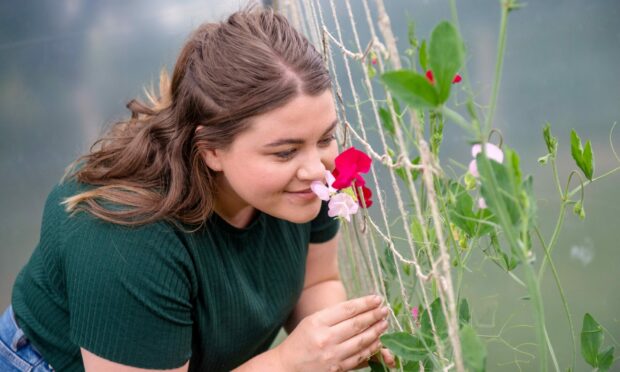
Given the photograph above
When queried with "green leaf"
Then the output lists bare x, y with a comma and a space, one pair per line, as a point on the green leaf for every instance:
474, 352
387, 262
446, 57
423, 56
404, 345
416, 230
461, 212
575, 148
412, 88
386, 120
588, 161
583, 156
591, 339
606, 359
550, 140
464, 315
438, 319
508, 187
427, 365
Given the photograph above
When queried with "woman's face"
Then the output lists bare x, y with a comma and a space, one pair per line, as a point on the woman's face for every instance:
271, 165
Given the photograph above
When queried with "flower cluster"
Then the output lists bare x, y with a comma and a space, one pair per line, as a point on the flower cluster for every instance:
346, 179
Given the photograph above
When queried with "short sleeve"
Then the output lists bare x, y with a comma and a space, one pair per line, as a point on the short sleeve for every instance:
323, 227
129, 293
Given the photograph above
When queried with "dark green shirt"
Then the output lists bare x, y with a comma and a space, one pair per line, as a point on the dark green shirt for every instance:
155, 296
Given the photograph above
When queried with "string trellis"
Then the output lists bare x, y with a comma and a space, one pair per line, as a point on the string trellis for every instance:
366, 235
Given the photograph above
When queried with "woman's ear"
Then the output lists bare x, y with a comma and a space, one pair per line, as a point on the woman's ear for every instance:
211, 157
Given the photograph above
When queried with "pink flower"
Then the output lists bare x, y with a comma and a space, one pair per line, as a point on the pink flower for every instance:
482, 204
342, 205
493, 152
431, 79
415, 313
322, 191
349, 164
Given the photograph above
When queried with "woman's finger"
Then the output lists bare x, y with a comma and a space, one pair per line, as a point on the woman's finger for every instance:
358, 324
362, 341
388, 358
361, 358
348, 309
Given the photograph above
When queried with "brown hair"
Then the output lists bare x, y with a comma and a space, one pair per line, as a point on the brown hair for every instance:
226, 73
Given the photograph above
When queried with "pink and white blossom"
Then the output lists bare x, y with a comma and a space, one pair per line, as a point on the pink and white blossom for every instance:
342, 205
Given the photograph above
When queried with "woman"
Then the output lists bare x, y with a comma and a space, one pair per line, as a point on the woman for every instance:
189, 235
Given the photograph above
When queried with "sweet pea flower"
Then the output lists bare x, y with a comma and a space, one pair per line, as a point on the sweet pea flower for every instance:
349, 164
493, 152
342, 205
429, 76
322, 191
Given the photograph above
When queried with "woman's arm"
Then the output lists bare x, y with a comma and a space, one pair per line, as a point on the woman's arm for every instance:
322, 285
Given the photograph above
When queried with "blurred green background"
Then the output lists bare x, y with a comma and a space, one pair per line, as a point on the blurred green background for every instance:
68, 67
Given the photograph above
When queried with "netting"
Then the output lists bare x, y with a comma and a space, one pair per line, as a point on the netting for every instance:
392, 239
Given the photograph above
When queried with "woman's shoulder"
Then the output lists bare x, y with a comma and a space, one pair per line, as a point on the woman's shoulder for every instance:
82, 231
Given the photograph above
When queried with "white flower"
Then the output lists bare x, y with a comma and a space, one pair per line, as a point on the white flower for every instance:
322, 191
342, 205
493, 152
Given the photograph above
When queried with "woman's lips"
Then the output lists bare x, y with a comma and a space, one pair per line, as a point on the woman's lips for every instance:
306, 194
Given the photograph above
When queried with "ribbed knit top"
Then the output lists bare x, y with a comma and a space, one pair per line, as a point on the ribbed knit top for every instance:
155, 296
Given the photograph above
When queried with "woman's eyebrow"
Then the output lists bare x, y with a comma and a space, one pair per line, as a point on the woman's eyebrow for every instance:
298, 141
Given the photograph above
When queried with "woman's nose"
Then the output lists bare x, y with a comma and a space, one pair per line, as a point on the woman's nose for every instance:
312, 169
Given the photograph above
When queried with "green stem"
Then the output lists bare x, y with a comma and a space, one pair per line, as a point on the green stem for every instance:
356, 284
576, 189
501, 46
361, 249
456, 118
554, 238
556, 177
530, 275
562, 296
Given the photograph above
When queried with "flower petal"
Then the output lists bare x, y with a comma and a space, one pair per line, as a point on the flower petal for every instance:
348, 164
473, 168
429, 76
342, 205
320, 190
482, 204
493, 152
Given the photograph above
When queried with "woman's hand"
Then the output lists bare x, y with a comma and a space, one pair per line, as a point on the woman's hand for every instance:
338, 338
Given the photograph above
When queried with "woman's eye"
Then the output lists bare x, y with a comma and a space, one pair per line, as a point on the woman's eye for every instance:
328, 140
285, 154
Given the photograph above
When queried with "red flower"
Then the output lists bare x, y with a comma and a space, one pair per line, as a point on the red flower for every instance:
429, 76
349, 164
